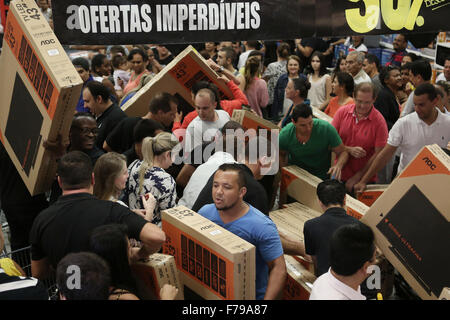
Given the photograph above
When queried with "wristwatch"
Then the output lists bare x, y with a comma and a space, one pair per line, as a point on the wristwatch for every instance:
221, 69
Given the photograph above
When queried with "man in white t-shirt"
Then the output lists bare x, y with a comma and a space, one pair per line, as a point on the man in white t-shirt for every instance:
352, 251
355, 61
209, 120
249, 47
445, 76
426, 126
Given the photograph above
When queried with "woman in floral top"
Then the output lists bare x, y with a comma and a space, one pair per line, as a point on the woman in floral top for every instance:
149, 175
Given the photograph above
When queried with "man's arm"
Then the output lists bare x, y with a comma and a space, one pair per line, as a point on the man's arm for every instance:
342, 158
152, 237
357, 176
305, 51
40, 269
378, 163
277, 278
292, 246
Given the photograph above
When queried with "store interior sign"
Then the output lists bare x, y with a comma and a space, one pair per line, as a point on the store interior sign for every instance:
181, 21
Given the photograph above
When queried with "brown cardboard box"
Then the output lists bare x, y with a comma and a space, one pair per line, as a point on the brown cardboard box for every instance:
213, 262
302, 186
321, 115
153, 274
249, 120
177, 78
445, 294
291, 221
411, 222
372, 193
38, 94
299, 280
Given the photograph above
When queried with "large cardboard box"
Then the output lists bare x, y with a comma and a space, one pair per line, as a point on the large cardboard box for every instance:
411, 222
445, 294
177, 78
249, 120
38, 93
372, 193
151, 275
299, 281
302, 185
291, 222
317, 113
213, 262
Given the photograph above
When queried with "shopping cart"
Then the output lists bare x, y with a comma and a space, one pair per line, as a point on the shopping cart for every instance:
23, 258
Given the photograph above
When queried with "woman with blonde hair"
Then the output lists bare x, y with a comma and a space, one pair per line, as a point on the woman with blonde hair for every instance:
148, 176
111, 176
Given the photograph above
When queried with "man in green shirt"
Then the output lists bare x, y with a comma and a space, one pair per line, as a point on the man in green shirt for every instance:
308, 143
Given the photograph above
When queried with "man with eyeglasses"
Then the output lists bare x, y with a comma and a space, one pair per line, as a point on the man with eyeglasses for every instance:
82, 135
363, 131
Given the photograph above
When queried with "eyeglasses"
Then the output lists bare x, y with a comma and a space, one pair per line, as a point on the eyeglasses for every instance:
86, 131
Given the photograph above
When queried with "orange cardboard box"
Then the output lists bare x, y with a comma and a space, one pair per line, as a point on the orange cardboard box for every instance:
213, 262
302, 186
299, 280
177, 78
249, 120
39, 90
151, 275
411, 222
372, 193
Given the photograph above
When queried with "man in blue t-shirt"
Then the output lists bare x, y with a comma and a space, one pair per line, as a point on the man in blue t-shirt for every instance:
232, 213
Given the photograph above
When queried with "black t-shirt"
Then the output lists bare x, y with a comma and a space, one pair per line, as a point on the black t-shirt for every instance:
121, 138
65, 226
107, 122
131, 155
317, 235
387, 104
256, 195
166, 61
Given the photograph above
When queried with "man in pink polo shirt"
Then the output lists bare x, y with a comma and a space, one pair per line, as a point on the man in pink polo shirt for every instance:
363, 131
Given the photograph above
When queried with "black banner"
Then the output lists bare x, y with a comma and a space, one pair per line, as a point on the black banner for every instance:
340, 18
180, 21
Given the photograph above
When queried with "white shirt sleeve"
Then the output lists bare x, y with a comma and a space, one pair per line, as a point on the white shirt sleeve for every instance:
409, 105
396, 134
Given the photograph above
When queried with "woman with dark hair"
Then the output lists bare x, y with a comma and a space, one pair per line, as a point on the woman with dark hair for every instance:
293, 68
138, 59
341, 65
276, 69
320, 80
111, 243
297, 92
342, 86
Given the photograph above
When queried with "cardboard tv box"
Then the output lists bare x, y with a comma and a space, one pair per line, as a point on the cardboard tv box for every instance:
177, 78
411, 222
291, 222
372, 193
213, 262
151, 275
38, 93
249, 120
302, 185
299, 281
317, 113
